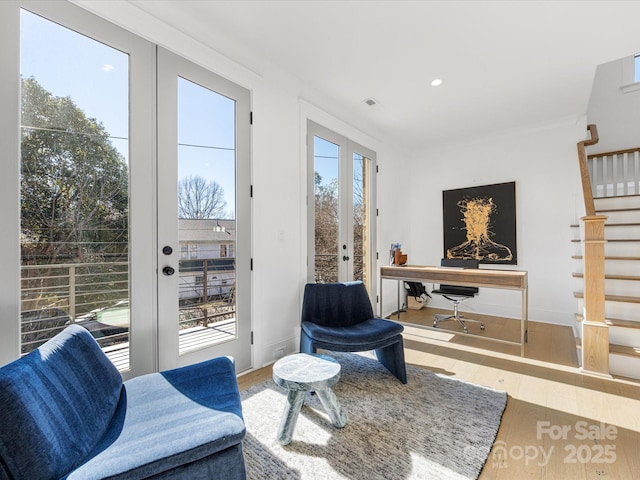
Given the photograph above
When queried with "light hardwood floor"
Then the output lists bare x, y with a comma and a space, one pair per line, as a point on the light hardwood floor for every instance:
558, 424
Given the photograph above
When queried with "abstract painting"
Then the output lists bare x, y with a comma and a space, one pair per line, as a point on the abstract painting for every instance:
480, 223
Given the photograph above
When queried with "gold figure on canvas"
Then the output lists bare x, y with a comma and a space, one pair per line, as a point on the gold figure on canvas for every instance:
477, 219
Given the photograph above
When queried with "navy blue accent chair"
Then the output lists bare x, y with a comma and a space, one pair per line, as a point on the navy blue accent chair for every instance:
67, 414
338, 317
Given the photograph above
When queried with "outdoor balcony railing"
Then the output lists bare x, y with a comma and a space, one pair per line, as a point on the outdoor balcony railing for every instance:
96, 296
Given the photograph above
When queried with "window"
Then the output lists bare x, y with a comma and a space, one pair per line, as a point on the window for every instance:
74, 184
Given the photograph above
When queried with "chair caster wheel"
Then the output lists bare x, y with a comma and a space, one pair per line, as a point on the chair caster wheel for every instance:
482, 326
435, 324
466, 331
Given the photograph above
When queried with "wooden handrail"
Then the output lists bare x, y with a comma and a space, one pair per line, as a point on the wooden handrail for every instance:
589, 206
617, 152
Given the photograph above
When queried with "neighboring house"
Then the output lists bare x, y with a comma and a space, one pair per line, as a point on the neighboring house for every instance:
207, 257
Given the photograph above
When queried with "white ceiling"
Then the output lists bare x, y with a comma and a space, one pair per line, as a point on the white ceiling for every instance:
505, 64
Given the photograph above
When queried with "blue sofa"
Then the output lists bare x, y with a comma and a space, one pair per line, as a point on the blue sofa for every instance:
65, 413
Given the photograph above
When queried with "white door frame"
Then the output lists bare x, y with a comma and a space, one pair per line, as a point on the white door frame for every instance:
170, 67
347, 150
143, 178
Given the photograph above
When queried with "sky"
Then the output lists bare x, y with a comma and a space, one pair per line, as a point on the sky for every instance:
67, 63
326, 156
96, 76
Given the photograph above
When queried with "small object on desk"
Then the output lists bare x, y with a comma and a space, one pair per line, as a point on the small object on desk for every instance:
301, 373
399, 258
392, 252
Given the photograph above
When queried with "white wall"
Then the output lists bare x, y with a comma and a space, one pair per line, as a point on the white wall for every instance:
614, 106
543, 163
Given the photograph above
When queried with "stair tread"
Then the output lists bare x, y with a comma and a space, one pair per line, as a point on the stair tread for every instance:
621, 209
612, 240
624, 350
616, 349
621, 224
614, 322
611, 257
613, 298
611, 277
609, 197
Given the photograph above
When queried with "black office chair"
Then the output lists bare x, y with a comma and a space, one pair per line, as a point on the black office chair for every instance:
456, 294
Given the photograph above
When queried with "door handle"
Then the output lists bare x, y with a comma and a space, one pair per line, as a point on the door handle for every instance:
168, 271
167, 250
345, 258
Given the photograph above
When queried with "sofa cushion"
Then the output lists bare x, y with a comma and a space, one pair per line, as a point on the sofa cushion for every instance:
169, 419
56, 404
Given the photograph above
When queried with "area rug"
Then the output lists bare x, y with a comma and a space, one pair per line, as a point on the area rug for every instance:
434, 427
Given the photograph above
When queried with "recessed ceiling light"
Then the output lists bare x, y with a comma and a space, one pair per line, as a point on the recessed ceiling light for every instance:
436, 82
370, 101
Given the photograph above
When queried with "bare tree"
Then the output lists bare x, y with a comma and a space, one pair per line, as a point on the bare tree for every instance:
200, 199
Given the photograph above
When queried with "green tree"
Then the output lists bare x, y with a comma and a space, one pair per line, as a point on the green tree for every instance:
74, 188
74, 209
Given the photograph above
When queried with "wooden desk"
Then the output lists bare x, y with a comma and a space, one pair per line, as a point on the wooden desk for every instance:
473, 277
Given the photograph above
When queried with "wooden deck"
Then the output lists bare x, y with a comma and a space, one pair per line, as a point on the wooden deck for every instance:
190, 339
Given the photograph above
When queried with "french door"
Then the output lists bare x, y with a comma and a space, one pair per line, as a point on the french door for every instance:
204, 206
134, 194
341, 212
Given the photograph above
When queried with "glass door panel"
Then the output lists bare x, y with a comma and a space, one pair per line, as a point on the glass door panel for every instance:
326, 163
361, 202
74, 187
206, 217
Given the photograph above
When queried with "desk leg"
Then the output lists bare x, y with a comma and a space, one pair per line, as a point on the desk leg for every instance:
524, 323
380, 293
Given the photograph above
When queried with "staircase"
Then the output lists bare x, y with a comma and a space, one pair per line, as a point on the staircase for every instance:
622, 281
